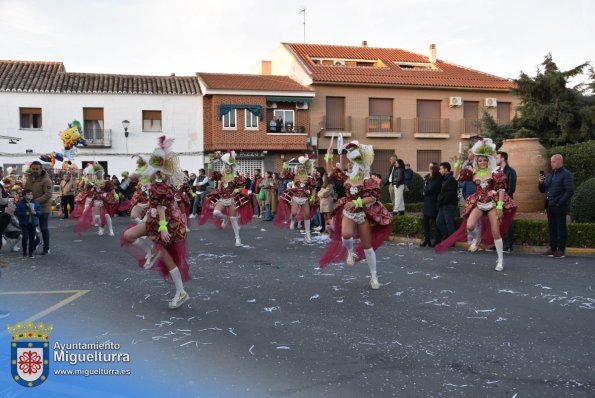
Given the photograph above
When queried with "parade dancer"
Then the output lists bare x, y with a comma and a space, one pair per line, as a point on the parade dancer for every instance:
101, 202
228, 200
359, 212
298, 203
163, 223
489, 200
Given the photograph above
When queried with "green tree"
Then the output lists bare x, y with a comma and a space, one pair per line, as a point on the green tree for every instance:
553, 111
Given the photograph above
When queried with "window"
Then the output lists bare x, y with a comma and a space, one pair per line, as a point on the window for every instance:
470, 117
285, 119
425, 157
151, 120
428, 116
380, 115
503, 112
335, 113
30, 118
251, 120
93, 118
229, 120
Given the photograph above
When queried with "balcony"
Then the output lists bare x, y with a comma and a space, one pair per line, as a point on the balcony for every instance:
430, 127
383, 126
98, 138
469, 128
336, 122
286, 128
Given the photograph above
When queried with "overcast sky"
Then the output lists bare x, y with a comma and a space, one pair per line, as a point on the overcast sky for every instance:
149, 37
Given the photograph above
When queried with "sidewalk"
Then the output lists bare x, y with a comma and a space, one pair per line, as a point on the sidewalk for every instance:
570, 251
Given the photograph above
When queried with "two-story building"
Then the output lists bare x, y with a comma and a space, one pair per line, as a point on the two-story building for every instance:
39, 99
264, 118
417, 106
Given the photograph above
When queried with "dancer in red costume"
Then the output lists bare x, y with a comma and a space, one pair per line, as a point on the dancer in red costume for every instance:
359, 212
184, 201
228, 200
101, 202
489, 204
298, 203
163, 223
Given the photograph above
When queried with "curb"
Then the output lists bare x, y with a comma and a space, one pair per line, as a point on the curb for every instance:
570, 251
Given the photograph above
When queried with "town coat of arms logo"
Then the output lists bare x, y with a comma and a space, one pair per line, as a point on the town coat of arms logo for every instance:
29, 353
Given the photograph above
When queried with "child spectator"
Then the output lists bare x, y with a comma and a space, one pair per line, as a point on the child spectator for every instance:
28, 211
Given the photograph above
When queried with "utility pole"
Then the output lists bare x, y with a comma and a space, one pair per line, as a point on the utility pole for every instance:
303, 11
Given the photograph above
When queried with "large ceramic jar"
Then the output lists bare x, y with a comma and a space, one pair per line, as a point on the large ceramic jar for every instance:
527, 156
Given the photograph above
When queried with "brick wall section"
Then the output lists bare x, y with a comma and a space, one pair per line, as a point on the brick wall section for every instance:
405, 107
240, 139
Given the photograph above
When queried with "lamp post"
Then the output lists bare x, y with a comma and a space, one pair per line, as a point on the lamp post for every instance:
125, 124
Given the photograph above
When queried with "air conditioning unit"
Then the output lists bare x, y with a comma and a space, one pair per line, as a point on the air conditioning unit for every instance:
301, 105
491, 102
271, 105
339, 63
455, 101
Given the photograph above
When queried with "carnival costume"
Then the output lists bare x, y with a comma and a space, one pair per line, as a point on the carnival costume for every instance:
140, 199
184, 198
359, 187
101, 202
162, 216
227, 196
301, 193
490, 183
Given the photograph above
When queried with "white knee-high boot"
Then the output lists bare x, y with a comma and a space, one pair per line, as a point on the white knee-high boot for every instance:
371, 259
308, 239
348, 244
236, 230
108, 221
500, 250
181, 296
291, 223
97, 220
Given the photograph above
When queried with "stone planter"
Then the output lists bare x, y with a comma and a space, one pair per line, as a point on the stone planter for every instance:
527, 156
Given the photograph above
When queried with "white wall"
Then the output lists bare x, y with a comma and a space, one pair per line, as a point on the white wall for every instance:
284, 63
182, 119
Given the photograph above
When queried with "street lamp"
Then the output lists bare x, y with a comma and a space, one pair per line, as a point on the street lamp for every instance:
125, 124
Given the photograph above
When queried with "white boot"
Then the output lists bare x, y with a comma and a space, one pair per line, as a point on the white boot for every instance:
291, 223
181, 296
108, 221
307, 239
500, 250
97, 221
236, 230
348, 244
474, 241
371, 259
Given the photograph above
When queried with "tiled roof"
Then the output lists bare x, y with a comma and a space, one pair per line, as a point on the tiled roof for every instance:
225, 81
51, 77
444, 75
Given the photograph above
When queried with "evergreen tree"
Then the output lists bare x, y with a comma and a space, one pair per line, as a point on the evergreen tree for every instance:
551, 110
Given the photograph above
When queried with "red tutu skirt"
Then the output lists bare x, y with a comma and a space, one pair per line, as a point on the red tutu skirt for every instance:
335, 252
241, 201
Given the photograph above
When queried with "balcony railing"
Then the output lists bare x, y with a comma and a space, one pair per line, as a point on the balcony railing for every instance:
288, 127
429, 125
380, 124
98, 137
337, 122
470, 126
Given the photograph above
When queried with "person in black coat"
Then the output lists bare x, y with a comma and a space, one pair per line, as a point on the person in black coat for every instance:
447, 202
432, 187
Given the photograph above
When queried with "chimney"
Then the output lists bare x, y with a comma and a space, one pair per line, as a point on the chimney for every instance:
432, 57
172, 74
267, 68
364, 43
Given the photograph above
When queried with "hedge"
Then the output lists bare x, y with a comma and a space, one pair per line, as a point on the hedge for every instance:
578, 158
527, 232
582, 207
409, 207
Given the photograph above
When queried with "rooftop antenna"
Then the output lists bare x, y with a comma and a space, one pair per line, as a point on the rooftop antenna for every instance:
303, 10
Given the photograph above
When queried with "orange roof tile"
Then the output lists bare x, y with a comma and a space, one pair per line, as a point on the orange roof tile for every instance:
227, 81
445, 74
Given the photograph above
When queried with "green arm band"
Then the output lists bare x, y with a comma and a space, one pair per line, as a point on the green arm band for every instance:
358, 203
285, 165
328, 157
499, 205
458, 164
162, 226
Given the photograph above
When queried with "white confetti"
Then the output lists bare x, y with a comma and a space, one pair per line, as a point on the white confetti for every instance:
250, 349
315, 296
251, 301
282, 347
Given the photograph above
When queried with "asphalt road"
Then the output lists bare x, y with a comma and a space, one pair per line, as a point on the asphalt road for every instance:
265, 321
